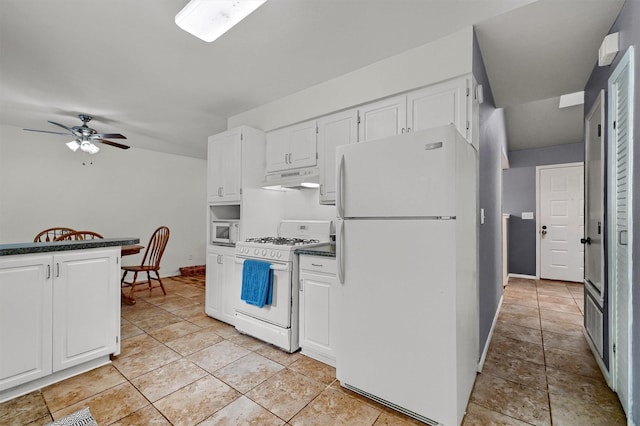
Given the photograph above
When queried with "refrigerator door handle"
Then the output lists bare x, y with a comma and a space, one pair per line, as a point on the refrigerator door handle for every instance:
340, 252
340, 189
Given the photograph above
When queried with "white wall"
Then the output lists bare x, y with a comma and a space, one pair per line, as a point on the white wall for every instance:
122, 194
442, 59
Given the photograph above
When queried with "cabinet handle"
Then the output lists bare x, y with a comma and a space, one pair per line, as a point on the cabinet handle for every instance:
301, 285
408, 129
57, 270
289, 158
219, 259
402, 131
48, 271
322, 188
317, 265
285, 159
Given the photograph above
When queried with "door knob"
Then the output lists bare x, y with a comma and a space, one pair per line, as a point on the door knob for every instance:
544, 230
585, 240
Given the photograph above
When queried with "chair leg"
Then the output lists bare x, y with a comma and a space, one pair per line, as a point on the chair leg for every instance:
160, 281
133, 286
149, 283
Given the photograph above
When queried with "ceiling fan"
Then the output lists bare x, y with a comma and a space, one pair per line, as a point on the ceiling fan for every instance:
86, 136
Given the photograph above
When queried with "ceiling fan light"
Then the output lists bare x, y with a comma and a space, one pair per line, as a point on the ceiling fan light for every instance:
88, 147
73, 145
209, 19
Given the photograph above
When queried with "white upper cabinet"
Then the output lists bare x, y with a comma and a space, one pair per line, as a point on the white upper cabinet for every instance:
333, 130
382, 119
436, 105
224, 167
235, 159
439, 105
292, 147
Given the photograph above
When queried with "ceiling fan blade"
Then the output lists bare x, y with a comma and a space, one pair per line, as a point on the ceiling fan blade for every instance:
107, 136
116, 144
46, 131
73, 132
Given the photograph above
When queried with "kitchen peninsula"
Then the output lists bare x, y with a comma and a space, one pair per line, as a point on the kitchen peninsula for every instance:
59, 310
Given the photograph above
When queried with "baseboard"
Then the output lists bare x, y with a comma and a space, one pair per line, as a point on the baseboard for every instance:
489, 337
527, 277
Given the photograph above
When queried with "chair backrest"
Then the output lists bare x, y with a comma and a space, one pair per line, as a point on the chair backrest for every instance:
51, 234
155, 248
79, 235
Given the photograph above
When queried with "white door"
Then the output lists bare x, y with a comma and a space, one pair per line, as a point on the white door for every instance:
223, 167
86, 296
334, 130
561, 222
594, 197
382, 119
620, 205
25, 319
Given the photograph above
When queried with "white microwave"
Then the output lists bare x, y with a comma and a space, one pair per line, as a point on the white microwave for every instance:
225, 231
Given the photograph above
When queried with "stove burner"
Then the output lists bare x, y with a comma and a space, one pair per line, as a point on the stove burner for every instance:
281, 241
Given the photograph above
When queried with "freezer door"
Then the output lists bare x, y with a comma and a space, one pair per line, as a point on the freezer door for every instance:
397, 314
404, 176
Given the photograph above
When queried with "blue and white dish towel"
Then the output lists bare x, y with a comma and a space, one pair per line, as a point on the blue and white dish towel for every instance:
257, 283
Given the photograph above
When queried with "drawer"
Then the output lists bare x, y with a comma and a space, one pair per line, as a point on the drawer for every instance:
322, 264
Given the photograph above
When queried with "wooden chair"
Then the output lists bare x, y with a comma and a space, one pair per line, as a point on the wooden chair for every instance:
51, 234
150, 263
79, 235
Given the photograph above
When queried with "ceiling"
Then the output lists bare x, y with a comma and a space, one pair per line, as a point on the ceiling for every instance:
127, 63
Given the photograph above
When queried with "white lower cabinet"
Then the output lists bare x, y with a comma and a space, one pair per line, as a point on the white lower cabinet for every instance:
223, 285
319, 295
58, 313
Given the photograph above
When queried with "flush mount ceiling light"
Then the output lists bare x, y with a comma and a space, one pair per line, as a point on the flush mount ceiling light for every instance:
571, 99
209, 19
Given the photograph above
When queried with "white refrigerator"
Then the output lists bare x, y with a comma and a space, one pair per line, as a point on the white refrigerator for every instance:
407, 245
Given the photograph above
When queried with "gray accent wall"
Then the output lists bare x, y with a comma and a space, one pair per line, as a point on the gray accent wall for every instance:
627, 25
519, 195
492, 136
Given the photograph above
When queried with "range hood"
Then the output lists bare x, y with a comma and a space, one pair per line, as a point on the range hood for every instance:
292, 179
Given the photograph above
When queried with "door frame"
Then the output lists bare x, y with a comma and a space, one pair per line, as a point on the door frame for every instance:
627, 61
538, 170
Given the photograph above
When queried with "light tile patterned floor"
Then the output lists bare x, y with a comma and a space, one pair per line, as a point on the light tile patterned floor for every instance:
178, 366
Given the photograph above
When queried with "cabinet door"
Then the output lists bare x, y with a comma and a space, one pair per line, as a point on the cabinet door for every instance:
224, 167
439, 105
334, 130
25, 319
277, 150
302, 145
86, 306
213, 289
383, 118
231, 286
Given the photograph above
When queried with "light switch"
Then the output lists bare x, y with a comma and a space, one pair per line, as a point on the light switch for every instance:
527, 215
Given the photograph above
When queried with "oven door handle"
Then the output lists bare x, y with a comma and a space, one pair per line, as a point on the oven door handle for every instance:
274, 266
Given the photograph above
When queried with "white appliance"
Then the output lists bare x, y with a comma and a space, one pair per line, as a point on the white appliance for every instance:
278, 323
225, 231
407, 262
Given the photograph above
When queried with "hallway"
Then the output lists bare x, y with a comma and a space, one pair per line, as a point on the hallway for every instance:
539, 369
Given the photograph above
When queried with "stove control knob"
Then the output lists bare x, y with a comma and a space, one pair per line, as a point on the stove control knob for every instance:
264, 252
256, 251
273, 253
279, 254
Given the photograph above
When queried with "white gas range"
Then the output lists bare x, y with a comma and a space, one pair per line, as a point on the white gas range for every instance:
277, 323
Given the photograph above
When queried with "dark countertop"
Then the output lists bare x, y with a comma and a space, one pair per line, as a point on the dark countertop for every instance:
327, 250
28, 248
